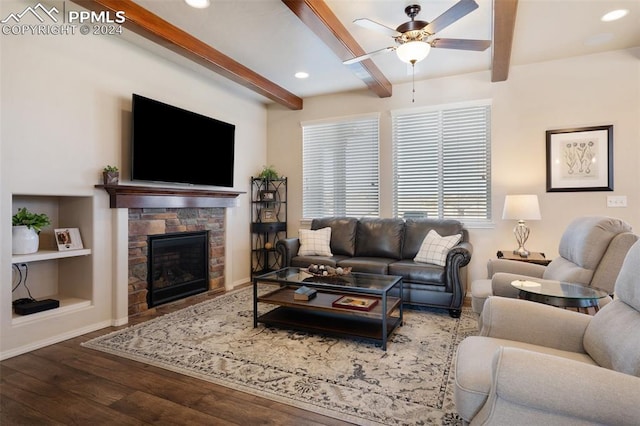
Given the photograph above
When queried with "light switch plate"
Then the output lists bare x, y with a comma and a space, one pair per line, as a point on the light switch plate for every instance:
616, 201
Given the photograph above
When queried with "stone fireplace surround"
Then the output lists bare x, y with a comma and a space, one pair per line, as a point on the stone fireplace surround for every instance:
164, 209
145, 222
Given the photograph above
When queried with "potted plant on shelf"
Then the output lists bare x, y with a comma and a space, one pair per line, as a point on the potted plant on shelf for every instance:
26, 227
268, 173
110, 175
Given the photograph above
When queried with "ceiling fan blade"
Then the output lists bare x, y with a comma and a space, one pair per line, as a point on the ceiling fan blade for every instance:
368, 55
372, 25
450, 16
461, 44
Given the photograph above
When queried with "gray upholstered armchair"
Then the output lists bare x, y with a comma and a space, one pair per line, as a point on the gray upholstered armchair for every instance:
537, 364
591, 250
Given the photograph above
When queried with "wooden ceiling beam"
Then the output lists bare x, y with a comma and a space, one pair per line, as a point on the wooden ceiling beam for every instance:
316, 15
504, 22
147, 24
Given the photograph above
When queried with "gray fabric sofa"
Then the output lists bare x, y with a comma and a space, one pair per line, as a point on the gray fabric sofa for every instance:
536, 364
388, 246
591, 250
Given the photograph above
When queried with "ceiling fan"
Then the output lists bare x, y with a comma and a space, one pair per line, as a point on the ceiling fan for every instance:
414, 38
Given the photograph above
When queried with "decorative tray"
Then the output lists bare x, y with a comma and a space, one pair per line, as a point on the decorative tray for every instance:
327, 271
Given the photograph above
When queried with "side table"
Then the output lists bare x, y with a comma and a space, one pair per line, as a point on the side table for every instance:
534, 257
560, 294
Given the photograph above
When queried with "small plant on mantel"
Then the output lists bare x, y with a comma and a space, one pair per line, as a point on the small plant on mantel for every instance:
110, 175
268, 173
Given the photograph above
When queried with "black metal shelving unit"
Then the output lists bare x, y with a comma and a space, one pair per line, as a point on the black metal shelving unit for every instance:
268, 222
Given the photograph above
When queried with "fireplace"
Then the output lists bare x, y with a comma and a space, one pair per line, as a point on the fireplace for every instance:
178, 266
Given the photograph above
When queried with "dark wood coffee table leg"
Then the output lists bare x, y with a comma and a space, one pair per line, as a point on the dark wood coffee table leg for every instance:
384, 322
255, 303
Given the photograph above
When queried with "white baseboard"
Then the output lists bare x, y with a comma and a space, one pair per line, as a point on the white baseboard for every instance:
53, 339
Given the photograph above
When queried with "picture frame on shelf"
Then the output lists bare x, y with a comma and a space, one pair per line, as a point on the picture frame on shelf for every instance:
267, 195
580, 159
268, 215
68, 239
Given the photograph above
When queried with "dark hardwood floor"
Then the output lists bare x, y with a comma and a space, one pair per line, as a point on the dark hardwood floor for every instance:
65, 384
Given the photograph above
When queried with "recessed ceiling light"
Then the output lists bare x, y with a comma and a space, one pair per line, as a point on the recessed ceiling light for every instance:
198, 4
614, 15
301, 74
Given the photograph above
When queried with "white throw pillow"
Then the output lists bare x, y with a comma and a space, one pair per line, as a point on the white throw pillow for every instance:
434, 248
315, 243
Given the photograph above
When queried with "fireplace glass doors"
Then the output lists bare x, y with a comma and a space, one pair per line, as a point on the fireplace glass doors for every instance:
178, 266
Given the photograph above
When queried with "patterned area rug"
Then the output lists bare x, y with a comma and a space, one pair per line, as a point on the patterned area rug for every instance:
411, 383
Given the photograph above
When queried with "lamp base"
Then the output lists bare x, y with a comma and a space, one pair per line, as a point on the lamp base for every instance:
521, 231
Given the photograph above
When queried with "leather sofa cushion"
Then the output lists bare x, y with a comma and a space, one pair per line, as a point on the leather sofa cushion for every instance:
369, 265
380, 238
343, 233
305, 261
417, 229
423, 273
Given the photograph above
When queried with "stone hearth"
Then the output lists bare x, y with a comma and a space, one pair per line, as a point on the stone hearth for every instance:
154, 221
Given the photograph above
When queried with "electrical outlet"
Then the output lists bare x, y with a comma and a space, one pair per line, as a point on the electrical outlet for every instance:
617, 201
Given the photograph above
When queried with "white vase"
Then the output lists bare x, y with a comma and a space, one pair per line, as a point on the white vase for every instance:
24, 240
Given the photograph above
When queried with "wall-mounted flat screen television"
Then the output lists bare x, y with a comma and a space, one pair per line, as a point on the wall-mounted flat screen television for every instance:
173, 145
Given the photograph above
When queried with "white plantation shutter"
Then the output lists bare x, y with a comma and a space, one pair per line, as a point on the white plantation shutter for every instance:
341, 168
442, 163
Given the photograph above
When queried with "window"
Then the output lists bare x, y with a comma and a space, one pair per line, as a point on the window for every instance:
441, 160
340, 168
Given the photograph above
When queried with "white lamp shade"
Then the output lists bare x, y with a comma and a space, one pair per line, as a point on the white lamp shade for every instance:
413, 51
521, 207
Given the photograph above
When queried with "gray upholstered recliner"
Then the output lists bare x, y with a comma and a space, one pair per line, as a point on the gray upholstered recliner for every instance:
537, 364
591, 252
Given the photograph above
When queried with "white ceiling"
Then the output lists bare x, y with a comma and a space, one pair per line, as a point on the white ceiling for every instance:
265, 36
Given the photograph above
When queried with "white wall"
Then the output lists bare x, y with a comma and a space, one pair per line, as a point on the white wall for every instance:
576, 92
65, 114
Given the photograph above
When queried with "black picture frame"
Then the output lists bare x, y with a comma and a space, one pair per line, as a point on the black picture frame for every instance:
580, 159
267, 195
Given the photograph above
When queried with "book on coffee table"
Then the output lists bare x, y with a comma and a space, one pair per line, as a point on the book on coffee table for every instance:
353, 302
304, 293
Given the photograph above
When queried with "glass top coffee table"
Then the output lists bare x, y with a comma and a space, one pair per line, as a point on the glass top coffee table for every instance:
560, 294
366, 306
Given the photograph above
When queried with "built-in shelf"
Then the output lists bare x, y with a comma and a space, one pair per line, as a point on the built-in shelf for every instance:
67, 305
132, 196
48, 255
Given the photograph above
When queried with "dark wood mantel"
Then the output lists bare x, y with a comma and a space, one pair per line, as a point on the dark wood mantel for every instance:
130, 196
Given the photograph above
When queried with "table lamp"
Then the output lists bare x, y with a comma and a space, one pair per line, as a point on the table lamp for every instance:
521, 208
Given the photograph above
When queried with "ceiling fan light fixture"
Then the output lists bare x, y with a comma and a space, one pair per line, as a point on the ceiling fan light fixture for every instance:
413, 51
198, 4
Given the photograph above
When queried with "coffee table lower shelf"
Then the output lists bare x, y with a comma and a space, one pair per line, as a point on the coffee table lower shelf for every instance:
330, 323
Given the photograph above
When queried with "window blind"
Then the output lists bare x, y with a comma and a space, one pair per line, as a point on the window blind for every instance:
441, 161
341, 168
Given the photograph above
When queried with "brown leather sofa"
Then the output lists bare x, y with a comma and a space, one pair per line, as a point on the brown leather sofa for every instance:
388, 246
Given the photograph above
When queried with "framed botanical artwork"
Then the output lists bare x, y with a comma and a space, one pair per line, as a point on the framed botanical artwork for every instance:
267, 195
580, 159
268, 215
68, 239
